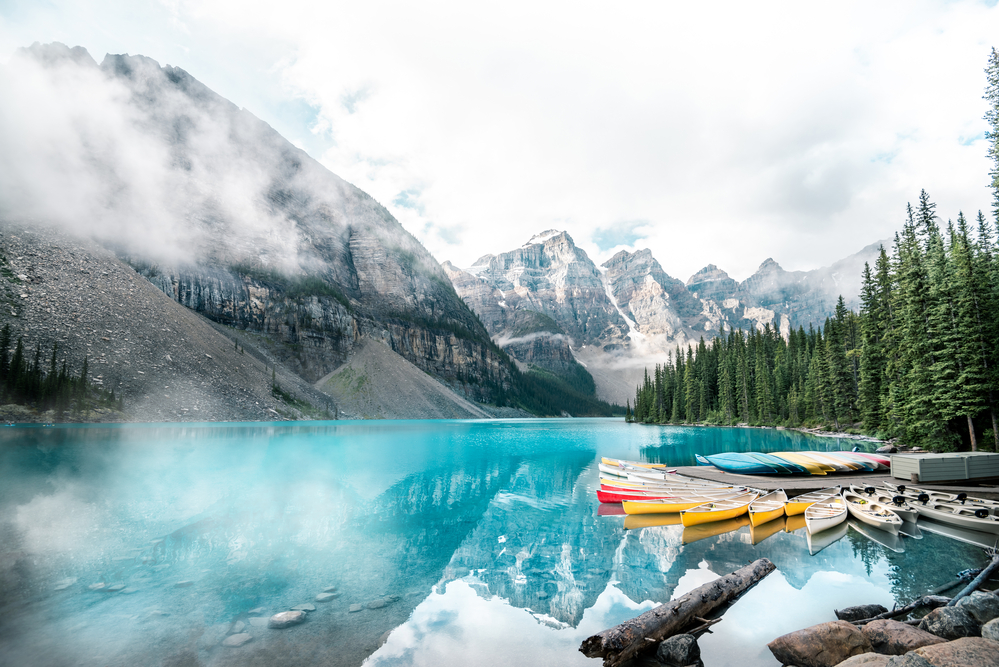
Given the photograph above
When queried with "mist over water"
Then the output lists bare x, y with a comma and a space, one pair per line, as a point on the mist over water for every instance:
460, 542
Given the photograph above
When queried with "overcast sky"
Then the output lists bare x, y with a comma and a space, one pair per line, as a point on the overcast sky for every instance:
717, 132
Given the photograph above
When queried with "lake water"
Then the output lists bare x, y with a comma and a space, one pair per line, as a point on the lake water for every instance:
464, 542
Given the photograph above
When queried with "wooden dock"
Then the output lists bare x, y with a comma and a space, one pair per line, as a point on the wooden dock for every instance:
796, 485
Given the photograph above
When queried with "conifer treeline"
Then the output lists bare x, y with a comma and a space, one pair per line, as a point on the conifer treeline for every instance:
31, 380
920, 361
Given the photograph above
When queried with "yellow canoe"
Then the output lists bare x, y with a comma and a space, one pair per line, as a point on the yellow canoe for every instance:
840, 465
700, 531
799, 504
760, 532
718, 510
633, 521
811, 465
668, 505
767, 508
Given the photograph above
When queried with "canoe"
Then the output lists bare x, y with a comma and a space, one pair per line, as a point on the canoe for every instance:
808, 464
888, 540
636, 521
962, 516
820, 540
615, 497
760, 532
794, 522
896, 503
883, 462
699, 532
799, 504
849, 458
666, 505
973, 537
837, 464
874, 514
769, 459
665, 491
671, 478
913, 493
634, 464
616, 471
738, 463
825, 514
767, 508
718, 509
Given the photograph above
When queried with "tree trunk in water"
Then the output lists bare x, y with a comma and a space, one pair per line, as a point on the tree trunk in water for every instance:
627, 640
971, 431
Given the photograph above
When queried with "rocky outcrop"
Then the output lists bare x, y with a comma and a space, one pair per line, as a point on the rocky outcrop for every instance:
822, 645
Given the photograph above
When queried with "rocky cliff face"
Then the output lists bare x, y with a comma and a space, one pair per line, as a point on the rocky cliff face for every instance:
633, 314
256, 235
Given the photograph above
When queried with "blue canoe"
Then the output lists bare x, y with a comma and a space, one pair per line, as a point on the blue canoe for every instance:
788, 467
739, 463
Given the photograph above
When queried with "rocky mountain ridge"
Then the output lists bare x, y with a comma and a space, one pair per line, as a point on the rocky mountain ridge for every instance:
547, 299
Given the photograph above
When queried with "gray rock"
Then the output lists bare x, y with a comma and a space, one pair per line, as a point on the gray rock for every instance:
964, 652
376, 604
237, 640
981, 605
860, 612
237, 627
325, 597
355, 607
887, 449
679, 651
950, 623
285, 619
822, 645
991, 630
304, 607
895, 638
865, 660
258, 622
911, 659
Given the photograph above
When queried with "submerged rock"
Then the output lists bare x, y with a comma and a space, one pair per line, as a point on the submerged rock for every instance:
115, 588
258, 622
285, 619
237, 640
355, 607
964, 652
376, 604
950, 623
330, 589
325, 597
304, 607
982, 606
679, 651
97, 587
860, 612
895, 638
822, 645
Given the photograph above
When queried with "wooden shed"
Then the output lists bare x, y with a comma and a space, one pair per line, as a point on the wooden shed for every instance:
944, 467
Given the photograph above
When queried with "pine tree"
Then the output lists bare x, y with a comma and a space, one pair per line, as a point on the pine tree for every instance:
992, 134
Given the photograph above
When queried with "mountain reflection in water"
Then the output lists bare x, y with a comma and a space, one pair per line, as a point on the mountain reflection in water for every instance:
453, 541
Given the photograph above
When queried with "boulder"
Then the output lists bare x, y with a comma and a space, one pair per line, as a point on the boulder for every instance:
964, 652
950, 623
982, 606
822, 645
991, 630
895, 638
860, 612
910, 659
285, 619
887, 449
865, 660
679, 651
236, 640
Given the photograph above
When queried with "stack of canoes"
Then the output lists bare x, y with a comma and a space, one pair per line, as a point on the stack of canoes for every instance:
791, 463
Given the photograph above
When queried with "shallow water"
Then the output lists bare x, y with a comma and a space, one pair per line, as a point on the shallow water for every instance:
473, 542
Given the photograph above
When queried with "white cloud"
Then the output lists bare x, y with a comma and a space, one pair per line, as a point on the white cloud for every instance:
737, 131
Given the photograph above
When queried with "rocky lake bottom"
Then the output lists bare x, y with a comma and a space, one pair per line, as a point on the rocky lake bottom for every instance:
392, 543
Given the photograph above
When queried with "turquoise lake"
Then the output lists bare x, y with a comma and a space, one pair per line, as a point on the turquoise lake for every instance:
463, 543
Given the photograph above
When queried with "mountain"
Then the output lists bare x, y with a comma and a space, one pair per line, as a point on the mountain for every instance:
547, 301
227, 218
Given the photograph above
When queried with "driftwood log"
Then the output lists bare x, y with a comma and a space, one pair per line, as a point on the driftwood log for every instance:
632, 637
977, 581
931, 601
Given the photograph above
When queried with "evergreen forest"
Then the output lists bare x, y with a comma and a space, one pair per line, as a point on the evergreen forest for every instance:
918, 362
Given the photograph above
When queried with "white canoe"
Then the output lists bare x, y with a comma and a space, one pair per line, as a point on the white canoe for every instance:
873, 514
970, 518
825, 514
896, 503
913, 493
799, 504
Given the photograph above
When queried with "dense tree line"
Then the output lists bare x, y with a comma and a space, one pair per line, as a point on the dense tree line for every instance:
920, 361
27, 378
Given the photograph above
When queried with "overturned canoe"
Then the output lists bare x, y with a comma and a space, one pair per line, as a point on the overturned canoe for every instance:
813, 467
739, 463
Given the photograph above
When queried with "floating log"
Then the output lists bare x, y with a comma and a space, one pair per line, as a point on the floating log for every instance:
632, 637
932, 601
